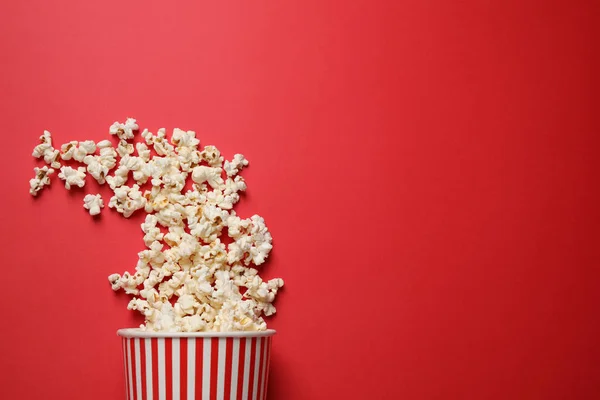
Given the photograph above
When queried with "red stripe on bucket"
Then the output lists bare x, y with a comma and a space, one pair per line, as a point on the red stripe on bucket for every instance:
214, 364
183, 360
154, 346
228, 366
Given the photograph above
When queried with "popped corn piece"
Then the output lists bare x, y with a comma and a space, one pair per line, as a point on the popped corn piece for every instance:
72, 176
192, 323
68, 149
84, 149
212, 176
96, 169
234, 166
212, 156
183, 138
127, 200
42, 178
93, 203
161, 145
143, 151
104, 144
45, 149
151, 232
124, 148
124, 131
45, 145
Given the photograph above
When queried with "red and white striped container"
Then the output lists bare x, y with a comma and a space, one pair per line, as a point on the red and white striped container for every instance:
196, 366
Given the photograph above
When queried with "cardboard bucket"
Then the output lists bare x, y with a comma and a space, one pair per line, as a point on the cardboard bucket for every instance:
196, 366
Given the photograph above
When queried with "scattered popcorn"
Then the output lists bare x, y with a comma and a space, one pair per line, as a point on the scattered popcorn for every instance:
72, 176
93, 203
42, 178
187, 279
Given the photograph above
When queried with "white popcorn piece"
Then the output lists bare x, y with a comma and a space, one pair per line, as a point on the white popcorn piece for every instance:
93, 203
45, 150
161, 145
234, 166
85, 148
68, 149
72, 177
212, 176
42, 178
212, 156
151, 232
143, 151
125, 148
45, 145
124, 131
183, 138
127, 200
103, 144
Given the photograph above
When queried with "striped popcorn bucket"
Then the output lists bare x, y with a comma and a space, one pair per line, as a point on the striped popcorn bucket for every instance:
196, 366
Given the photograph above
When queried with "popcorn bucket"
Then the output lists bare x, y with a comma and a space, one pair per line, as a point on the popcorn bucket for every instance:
196, 365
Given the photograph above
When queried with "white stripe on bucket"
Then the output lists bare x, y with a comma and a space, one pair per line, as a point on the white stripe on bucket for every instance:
148, 348
256, 369
191, 368
138, 368
175, 368
206, 369
221, 369
247, 369
162, 382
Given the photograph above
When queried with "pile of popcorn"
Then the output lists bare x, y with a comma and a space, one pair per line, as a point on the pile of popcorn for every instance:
186, 280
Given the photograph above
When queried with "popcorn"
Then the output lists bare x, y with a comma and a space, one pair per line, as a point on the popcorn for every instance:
72, 176
42, 178
212, 156
93, 203
234, 166
84, 148
212, 176
124, 131
187, 279
68, 149
124, 148
127, 200
45, 149
143, 151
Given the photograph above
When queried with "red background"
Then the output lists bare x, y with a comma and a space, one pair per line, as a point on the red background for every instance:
428, 170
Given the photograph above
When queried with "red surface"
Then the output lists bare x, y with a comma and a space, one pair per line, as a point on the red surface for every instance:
428, 170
